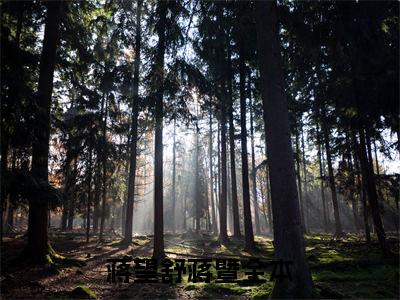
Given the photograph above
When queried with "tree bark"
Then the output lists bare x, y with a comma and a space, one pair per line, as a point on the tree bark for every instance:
223, 194
321, 181
361, 186
97, 189
218, 174
253, 163
173, 179
306, 199
37, 224
370, 186
158, 250
268, 200
134, 130
72, 196
9, 224
198, 198
104, 172
248, 225
338, 224
299, 185
234, 197
352, 179
210, 145
89, 196
288, 239
265, 208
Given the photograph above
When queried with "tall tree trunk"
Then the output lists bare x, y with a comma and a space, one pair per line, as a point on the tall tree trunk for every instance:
97, 189
210, 145
125, 196
366, 164
112, 221
338, 224
376, 158
253, 163
288, 239
219, 164
265, 207
198, 197
234, 197
158, 251
363, 194
352, 180
104, 171
37, 225
370, 186
134, 130
228, 192
321, 182
9, 224
72, 196
378, 175
89, 196
306, 199
223, 233
268, 199
185, 209
12, 197
64, 218
248, 226
361, 186
299, 185
173, 180
67, 190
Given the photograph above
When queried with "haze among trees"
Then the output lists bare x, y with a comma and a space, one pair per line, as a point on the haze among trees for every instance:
239, 128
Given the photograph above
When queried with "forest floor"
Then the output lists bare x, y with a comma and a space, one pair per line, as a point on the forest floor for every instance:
345, 268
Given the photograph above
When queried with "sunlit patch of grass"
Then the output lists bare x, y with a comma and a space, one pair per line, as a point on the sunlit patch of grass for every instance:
114, 242
329, 256
223, 249
177, 249
263, 239
140, 242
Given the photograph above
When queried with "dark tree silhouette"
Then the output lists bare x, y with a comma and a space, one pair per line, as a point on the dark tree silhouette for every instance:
288, 239
38, 205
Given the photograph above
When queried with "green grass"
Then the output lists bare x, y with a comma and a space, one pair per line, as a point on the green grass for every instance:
378, 273
341, 268
368, 282
224, 288
262, 291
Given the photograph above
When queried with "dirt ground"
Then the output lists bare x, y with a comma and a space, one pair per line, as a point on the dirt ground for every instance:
41, 283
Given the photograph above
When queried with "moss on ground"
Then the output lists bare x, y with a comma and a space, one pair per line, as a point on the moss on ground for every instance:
82, 292
262, 291
224, 288
367, 282
350, 275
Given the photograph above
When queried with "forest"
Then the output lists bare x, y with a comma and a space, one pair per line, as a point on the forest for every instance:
218, 134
